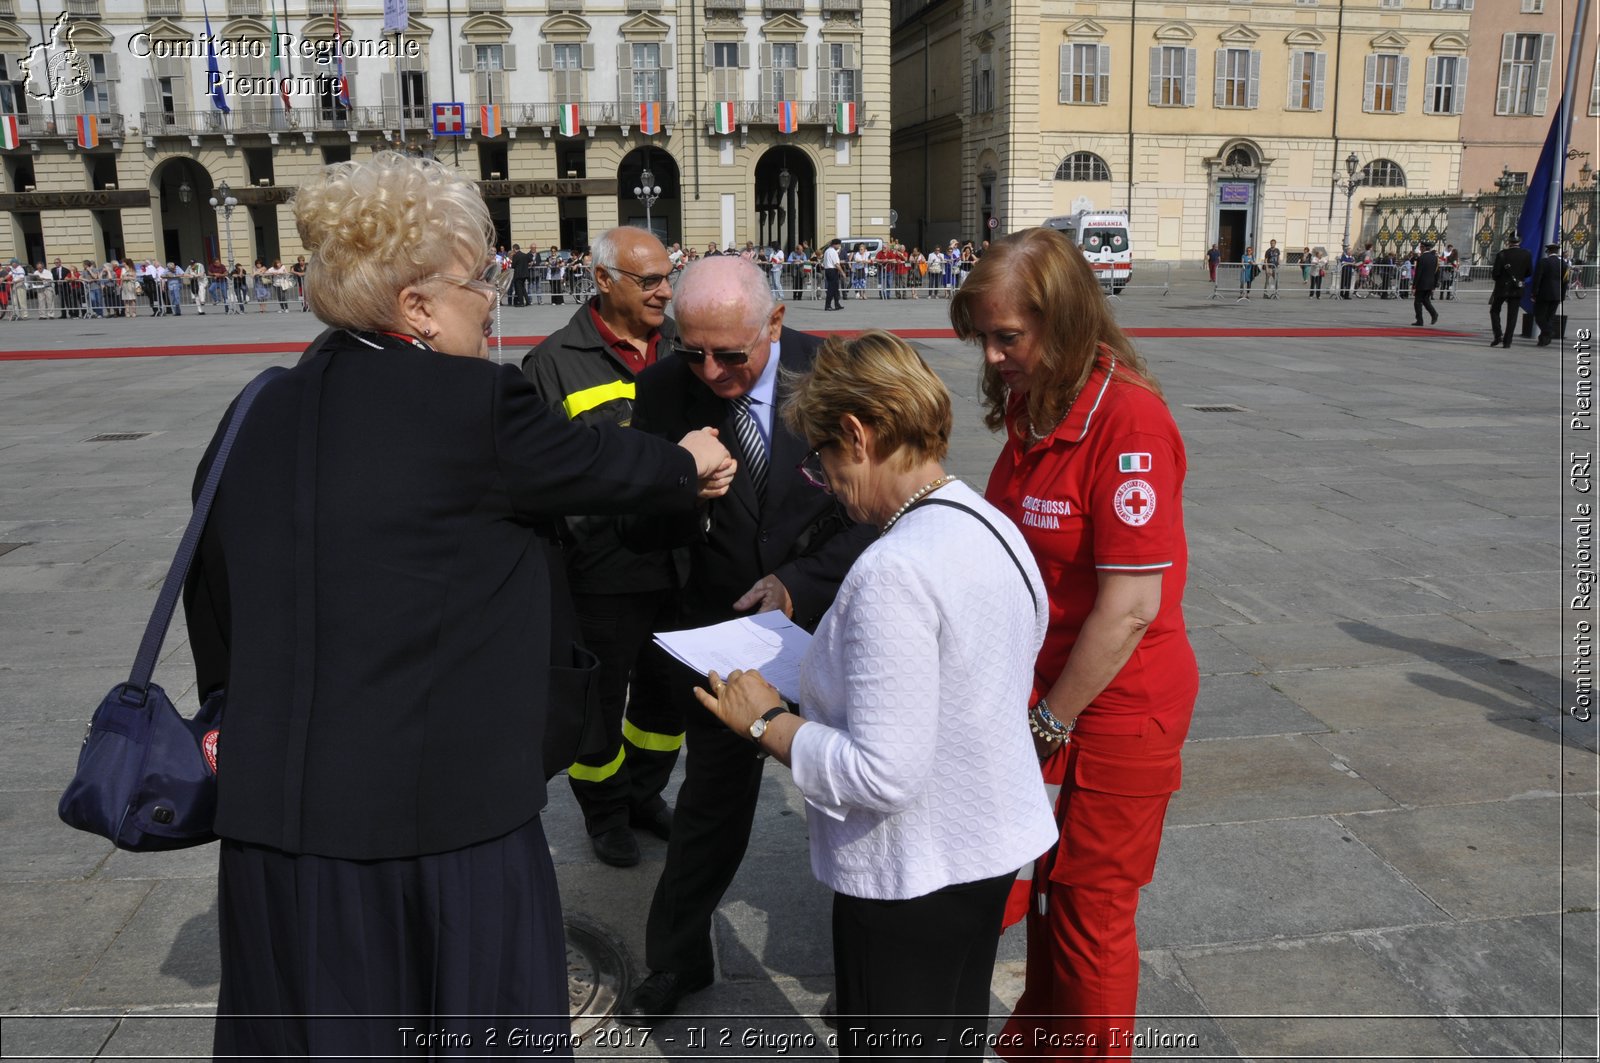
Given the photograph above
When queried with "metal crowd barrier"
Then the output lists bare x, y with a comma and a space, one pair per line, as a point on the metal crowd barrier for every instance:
1148, 275
155, 296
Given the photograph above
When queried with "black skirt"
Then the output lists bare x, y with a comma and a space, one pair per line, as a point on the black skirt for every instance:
453, 954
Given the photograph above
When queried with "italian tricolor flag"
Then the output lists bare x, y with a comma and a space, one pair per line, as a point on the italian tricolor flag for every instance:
845, 119
9, 134
722, 118
567, 113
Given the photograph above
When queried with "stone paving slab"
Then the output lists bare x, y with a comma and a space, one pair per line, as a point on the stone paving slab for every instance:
1501, 858
1248, 779
1412, 693
1323, 644
1281, 878
1243, 706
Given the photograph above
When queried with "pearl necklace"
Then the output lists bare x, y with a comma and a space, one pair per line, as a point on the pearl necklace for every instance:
921, 493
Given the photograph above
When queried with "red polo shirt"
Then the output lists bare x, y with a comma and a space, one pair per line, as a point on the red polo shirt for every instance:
629, 354
1104, 492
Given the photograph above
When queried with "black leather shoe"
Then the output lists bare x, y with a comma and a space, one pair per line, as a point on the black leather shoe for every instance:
658, 995
1495, 342
616, 847
657, 821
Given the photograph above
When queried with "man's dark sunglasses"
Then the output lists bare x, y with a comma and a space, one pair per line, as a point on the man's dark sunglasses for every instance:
648, 282
697, 356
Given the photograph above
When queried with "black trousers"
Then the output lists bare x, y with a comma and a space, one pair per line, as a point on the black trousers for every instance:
1544, 315
710, 832
644, 724
913, 975
835, 289
1423, 300
1512, 303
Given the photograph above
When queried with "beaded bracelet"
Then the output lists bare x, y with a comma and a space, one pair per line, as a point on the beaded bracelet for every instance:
1042, 709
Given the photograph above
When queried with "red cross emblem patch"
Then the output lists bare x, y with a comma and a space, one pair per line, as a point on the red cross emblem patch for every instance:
208, 749
1134, 502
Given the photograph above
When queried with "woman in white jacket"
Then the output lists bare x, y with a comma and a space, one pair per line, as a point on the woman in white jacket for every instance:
911, 741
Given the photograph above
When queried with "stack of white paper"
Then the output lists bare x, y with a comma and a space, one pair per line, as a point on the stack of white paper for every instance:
770, 643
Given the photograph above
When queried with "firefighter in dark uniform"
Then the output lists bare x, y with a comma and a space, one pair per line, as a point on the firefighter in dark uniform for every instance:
586, 371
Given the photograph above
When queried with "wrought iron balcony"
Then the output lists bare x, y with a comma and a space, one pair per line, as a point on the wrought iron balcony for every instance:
83, 8
590, 114
8, 8
845, 7
38, 125
765, 112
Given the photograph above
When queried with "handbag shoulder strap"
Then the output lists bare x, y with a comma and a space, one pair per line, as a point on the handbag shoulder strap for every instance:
155, 632
992, 531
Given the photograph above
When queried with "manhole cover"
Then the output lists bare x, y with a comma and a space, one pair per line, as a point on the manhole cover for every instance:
596, 974
116, 437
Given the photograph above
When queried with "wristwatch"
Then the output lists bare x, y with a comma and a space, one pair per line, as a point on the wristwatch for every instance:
759, 727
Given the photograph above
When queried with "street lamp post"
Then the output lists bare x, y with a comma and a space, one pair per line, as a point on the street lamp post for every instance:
648, 192
1351, 163
223, 203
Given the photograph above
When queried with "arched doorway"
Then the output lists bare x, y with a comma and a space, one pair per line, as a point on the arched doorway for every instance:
186, 226
786, 198
1235, 197
663, 216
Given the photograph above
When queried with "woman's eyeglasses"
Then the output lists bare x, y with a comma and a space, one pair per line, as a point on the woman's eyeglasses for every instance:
493, 282
811, 466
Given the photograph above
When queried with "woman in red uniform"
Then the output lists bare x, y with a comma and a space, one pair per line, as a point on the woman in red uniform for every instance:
1092, 472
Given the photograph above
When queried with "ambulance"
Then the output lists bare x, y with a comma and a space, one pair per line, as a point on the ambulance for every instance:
1103, 236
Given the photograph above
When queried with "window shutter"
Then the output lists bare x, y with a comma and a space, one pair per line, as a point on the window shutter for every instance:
1064, 73
508, 57
801, 57
1508, 53
625, 74
1402, 84
586, 57
1220, 81
1547, 54
1102, 79
710, 56
1297, 74
1370, 90
667, 48
152, 99
1155, 77
852, 60
349, 66
974, 86
113, 71
1319, 80
469, 57
547, 56
388, 92
744, 56
1253, 95
1190, 65
1458, 94
1430, 85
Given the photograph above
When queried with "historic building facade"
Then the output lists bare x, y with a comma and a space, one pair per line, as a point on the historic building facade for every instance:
1227, 122
759, 120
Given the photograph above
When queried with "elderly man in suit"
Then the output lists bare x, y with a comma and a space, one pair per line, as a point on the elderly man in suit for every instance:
1512, 267
1424, 282
773, 542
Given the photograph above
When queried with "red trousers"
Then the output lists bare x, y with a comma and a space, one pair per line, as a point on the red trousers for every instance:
1082, 985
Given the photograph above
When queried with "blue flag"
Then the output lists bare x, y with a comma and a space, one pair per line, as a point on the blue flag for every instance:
1537, 208
219, 99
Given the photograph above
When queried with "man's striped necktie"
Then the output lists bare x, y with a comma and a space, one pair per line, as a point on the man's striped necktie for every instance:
752, 443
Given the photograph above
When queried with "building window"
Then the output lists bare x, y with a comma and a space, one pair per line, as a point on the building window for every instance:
1083, 166
648, 82
1594, 91
1388, 3
1447, 84
488, 66
414, 94
1383, 173
1238, 75
1085, 73
1171, 76
1386, 84
842, 64
727, 61
1525, 62
782, 73
97, 93
1446, 5
566, 72
1308, 72
983, 84
1533, 7
13, 98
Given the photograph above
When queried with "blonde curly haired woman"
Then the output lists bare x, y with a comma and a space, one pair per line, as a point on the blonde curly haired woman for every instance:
376, 593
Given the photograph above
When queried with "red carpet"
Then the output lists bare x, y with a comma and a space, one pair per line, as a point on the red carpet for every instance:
522, 343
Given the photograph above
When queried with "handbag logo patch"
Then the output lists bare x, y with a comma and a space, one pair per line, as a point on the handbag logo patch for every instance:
208, 748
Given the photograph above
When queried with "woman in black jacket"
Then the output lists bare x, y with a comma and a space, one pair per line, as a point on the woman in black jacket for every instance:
374, 592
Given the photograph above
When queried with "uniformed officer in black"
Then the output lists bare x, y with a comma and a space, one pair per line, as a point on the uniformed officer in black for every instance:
1512, 267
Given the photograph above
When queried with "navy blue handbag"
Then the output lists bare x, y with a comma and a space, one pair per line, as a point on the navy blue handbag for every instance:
147, 777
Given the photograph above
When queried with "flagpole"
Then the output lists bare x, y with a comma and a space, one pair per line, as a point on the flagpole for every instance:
1558, 172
